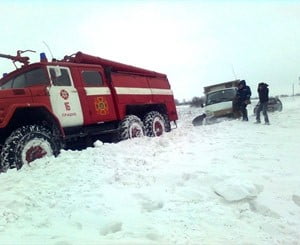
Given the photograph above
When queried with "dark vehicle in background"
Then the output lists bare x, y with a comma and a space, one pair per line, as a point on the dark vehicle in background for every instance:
274, 104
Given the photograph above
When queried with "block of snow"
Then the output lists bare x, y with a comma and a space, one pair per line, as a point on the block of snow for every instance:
111, 227
236, 189
98, 144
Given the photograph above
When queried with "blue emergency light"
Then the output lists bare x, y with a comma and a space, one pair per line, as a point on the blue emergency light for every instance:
43, 57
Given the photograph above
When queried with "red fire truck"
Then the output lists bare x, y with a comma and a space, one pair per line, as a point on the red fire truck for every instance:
45, 105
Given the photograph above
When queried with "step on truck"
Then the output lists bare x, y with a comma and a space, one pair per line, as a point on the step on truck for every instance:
48, 104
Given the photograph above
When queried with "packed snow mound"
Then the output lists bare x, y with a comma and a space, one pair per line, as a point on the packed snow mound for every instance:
236, 189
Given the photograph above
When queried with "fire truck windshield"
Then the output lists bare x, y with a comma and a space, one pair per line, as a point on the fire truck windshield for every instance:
27, 79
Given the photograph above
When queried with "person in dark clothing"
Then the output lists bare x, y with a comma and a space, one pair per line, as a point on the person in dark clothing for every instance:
243, 98
263, 94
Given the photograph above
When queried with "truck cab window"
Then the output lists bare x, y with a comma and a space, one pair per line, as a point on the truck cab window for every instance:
7, 85
92, 78
62, 80
19, 82
30, 78
36, 77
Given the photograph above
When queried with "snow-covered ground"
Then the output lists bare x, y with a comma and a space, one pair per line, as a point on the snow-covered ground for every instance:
230, 183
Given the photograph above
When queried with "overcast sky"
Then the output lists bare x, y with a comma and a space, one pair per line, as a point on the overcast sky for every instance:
196, 43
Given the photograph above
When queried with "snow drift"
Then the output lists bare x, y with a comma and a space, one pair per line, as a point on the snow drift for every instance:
229, 183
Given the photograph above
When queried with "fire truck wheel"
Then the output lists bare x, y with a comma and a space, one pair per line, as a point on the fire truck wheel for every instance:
155, 124
131, 127
27, 144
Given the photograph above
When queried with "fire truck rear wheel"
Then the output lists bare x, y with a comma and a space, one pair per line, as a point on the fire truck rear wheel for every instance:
131, 127
156, 124
27, 144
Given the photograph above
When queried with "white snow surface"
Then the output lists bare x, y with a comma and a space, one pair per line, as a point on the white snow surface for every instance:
229, 183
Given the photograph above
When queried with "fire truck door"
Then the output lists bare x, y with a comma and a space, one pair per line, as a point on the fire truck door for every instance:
64, 97
98, 95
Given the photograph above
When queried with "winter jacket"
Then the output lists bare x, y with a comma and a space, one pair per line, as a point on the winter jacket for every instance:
243, 93
263, 92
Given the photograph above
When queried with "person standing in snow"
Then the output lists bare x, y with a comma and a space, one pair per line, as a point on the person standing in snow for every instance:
263, 94
243, 98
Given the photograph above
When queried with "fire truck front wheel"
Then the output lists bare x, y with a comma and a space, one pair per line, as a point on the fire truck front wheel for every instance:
27, 144
130, 127
155, 124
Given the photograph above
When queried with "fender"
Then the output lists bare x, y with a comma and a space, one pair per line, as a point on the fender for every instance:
11, 110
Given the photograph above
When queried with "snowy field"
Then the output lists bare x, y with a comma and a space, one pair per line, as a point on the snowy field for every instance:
230, 183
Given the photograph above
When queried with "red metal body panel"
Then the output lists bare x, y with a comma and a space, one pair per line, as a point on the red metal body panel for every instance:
20, 97
40, 95
159, 82
136, 90
12, 108
129, 80
116, 66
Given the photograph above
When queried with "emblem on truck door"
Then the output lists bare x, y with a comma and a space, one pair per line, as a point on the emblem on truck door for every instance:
101, 106
64, 94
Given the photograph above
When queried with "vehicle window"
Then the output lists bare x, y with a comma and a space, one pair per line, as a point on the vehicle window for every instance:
7, 85
19, 82
36, 77
220, 96
63, 80
92, 78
